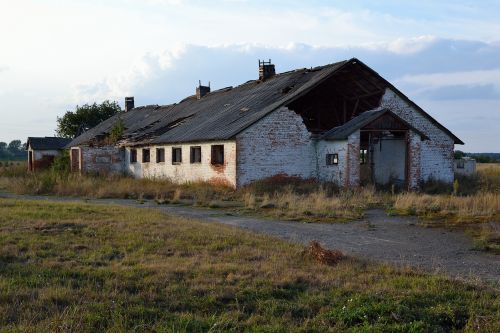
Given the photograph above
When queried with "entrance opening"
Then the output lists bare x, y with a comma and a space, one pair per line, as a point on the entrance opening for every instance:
75, 160
383, 157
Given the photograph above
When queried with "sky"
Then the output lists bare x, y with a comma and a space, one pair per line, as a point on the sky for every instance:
54, 55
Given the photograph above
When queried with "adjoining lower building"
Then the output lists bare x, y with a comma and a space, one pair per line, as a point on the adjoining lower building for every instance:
465, 166
43, 150
340, 123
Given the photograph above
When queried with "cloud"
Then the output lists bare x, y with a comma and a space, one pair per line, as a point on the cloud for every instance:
427, 67
462, 92
441, 75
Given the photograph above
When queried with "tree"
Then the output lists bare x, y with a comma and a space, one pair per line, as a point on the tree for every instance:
84, 117
15, 146
459, 154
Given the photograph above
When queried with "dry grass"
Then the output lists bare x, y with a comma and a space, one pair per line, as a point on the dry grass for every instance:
287, 198
478, 214
317, 205
73, 267
322, 255
481, 207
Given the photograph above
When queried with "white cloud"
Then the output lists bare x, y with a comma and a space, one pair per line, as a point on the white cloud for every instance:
477, 77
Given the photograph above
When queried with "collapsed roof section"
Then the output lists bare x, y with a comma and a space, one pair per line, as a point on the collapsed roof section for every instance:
325, 97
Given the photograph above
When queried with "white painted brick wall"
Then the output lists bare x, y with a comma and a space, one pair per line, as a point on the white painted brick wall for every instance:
186, 172
277, 144
332, 173
101, 159
436, 154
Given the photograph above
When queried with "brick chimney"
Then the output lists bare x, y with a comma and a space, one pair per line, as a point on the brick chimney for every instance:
266, 70
202, 90
129, 103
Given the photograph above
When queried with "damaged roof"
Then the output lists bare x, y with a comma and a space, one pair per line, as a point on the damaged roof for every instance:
47, 143
365, 118
220, 114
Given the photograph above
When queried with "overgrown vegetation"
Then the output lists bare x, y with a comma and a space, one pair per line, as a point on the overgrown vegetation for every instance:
471, 203
93, 268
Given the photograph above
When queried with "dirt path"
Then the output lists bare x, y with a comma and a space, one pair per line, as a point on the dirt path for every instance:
396, 240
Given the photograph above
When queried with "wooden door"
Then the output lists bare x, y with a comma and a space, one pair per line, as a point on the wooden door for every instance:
75, 160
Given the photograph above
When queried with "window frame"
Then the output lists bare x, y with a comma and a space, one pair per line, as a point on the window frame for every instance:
214, 159
133, 156
174, 156
363, 156
160, 158
332, 159
192, 155
144, 159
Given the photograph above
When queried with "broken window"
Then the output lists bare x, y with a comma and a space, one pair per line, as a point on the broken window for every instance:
217, 154
196, 154
332, 159
363, 156
133, 155
160, 155
146, 156
176, 155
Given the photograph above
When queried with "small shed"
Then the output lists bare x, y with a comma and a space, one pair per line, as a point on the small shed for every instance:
465, 166
43, 150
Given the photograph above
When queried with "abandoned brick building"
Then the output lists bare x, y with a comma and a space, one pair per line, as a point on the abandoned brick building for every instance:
43, 150
340, 123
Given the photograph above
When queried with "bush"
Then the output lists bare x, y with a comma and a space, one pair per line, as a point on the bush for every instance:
62, 163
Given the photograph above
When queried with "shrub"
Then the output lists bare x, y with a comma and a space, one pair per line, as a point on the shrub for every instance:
62, 163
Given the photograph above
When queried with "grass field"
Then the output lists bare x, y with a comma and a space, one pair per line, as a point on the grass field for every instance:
76, 267
472, 205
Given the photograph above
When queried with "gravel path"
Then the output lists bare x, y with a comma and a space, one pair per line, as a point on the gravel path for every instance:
396, 240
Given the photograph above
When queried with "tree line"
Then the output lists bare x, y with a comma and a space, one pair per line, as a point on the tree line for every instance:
13, 151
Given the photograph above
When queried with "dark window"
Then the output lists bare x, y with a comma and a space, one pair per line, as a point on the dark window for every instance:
218, 154
195, 154
146, 156
176, 155
363, 156
460, 164
133, 155
332, 159
160, 155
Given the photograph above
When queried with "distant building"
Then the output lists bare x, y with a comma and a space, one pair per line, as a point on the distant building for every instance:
43, 150
339, 123
465, 166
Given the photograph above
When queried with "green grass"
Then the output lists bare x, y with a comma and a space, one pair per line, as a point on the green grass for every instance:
90, 268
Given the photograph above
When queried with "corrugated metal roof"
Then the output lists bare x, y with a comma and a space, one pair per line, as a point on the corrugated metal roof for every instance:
222, 114
219, 115
47, 143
